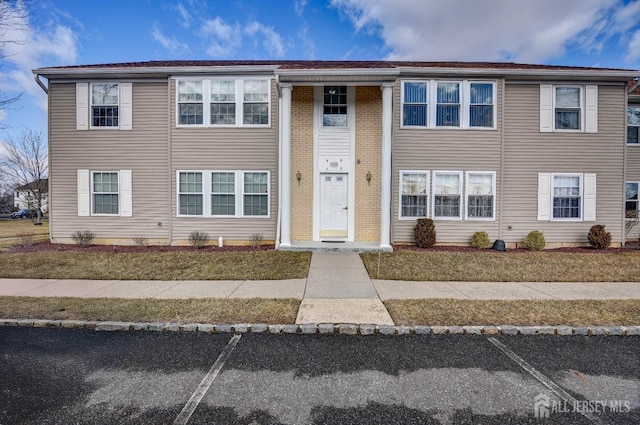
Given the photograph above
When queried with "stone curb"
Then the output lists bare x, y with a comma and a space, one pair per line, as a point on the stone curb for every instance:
327, 328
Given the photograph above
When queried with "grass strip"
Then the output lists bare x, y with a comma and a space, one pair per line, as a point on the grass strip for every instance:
515, 312
259, 265
492, 266
249, 310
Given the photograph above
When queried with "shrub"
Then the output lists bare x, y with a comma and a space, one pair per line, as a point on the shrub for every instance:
535, 241
256, 240
598, 237
198, 239
480, 240
141, 242
425, 233
26, 239
83, 238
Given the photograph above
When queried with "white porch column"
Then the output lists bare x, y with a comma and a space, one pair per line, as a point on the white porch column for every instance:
385, 204
285, 166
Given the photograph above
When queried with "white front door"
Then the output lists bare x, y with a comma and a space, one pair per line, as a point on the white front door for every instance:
334, 201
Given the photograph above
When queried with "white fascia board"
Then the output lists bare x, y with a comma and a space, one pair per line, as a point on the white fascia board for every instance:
153, 71
538, 73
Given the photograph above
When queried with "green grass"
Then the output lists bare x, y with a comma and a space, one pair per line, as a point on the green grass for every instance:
259, 265
491, 266
515, 312
251, 310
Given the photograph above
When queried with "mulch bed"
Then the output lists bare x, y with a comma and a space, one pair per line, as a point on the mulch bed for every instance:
580, 250
51, 247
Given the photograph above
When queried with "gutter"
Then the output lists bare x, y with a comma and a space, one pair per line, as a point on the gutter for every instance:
40, 83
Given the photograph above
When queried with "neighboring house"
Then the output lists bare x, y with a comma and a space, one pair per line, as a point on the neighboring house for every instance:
311, 151
632, 169
32, 195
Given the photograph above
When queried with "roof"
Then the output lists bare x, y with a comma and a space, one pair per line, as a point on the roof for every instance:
42, 185
307, 67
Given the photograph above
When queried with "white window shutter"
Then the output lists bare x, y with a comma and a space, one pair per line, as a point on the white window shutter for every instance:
546, 108
126, 106
126, 194
591, 109
589, 197
84, 195
544, 196
82, 106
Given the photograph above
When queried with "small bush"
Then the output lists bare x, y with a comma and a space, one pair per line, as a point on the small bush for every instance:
141, 242
83, 238
598, 237
480, 240
198, 239
535, 241
26, 239
425, 233
256, 240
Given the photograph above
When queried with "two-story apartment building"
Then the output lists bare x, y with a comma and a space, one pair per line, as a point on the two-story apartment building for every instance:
307, 152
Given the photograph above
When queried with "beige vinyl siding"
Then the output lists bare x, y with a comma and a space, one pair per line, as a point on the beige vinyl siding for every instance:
225, 148
142, 150
444, 150
529, 152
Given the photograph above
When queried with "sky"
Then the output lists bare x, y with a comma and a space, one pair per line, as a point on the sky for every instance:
599, 33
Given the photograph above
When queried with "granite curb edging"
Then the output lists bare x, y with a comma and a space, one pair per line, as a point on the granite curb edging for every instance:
326, 328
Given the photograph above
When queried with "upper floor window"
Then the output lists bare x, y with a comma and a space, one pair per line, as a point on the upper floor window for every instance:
633, 124
334, 108
448, 104
104, 105
223, 102
567, 108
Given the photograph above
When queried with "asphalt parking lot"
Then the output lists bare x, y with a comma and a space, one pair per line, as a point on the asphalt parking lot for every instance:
62, 376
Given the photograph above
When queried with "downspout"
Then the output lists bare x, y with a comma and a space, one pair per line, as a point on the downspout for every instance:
502, 131
40, 83
170, 161
277, 241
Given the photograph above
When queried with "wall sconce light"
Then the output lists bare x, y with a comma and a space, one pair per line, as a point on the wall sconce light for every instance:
369, 177
298, 177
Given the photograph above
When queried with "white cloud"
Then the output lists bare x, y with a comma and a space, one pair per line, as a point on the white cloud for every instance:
298, 6
184, 15
633, 48
271, 41
491, 30
222, 37
172, 44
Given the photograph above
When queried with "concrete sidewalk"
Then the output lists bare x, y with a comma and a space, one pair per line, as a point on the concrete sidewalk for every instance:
337, 290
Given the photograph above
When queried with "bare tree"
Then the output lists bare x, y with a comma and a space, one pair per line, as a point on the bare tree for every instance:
25, 163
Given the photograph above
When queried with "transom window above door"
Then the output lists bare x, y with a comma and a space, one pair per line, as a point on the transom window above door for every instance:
334, 111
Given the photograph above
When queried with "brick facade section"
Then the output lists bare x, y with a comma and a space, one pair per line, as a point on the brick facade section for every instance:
302, 160
369, 152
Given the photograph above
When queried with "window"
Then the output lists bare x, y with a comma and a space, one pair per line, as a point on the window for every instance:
335, 106
256, 194
481, 105
633, 124
104, 193
632, 204
568, 104
190, 193
414, 194
223, 102
481, 188
567, 196
223, 198
190, 107
104, 105
446, 194
448, 104
228, 193
414, 103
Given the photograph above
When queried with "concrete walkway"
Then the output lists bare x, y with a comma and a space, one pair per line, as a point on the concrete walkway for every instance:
337, 290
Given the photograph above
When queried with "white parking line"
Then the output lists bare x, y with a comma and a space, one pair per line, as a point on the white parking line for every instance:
555, 388
204, 386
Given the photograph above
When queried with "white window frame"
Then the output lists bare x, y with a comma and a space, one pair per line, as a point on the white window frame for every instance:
237, 202
427, 195
434, 194
581, 106
203, 102
460, 104
207, 193
588, 108
465, 105
637, 201
426, 103
467, 194
92, 173
629, 107
239, 101
84, 106
581, 195
99, 105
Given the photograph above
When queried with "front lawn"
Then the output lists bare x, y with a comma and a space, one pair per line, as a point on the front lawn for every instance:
492, 266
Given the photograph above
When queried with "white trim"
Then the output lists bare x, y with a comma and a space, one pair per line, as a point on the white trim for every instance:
637, 201
433, 195
400, 193
125, 189
285, 164
82, 106
546, 108
91, 174
84, 193
544, 196
385, 172
467, 194
581, 195
589, 197
591, 108
204, 199
242, 173
90, 107
125, 113
581, 127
